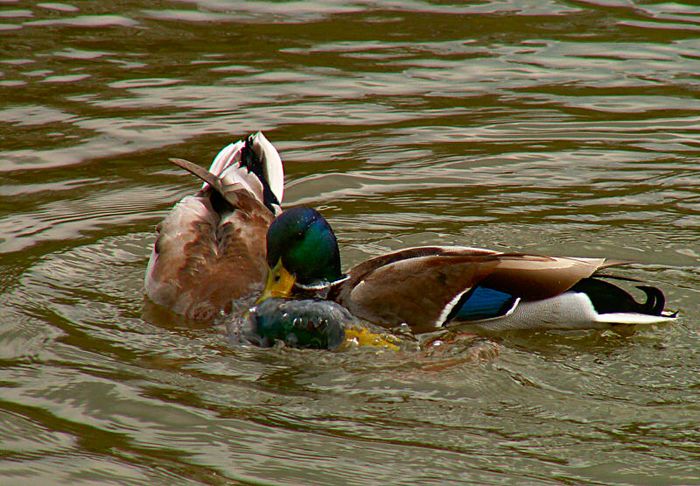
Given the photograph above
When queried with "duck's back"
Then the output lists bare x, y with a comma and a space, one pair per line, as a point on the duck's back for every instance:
210, 249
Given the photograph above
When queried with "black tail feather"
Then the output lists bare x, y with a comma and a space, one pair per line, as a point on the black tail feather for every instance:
655, 300
609, 298
252, 162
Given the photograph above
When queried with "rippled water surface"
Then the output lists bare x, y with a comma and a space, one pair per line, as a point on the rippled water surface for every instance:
548, 126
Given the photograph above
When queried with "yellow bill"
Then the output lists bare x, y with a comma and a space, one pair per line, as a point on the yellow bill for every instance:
279, 283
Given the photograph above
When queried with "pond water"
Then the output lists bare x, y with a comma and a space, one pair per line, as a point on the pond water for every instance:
567, 127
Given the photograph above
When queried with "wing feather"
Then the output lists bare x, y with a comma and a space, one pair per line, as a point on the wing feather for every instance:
418, 286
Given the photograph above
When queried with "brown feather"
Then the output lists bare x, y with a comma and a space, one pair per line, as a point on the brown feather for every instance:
533, 277
416, 285
204, 259
412, 286
200, 172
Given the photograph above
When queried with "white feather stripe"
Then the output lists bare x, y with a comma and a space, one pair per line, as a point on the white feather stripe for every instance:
448, 308
513, 307
440, 321
226, 157
630, 318
273, 171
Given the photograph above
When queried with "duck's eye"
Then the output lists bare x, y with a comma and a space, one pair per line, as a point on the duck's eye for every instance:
278, 277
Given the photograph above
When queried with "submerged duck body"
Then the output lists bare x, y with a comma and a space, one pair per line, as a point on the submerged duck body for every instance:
307, 323
298, 323
436, 287
210, 248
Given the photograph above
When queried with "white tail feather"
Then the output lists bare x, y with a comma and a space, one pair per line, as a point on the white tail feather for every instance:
227, 156
273, 171
632, 318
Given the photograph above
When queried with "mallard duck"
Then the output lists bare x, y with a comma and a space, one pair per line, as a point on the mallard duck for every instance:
210, 248
435, 287
307, 323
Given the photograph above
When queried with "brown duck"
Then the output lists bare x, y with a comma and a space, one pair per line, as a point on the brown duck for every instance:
210, 249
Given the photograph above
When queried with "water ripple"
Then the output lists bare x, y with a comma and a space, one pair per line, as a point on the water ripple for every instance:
548, 126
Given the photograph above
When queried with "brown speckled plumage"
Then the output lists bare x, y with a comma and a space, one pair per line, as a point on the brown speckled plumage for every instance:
210, 249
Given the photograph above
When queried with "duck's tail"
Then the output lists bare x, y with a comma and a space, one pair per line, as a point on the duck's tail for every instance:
261, 158
593, 303
253, 163
614, 305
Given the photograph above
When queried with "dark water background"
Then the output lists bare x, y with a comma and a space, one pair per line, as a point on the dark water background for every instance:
549, 126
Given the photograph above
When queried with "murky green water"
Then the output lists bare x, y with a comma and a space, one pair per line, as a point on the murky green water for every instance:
549, 126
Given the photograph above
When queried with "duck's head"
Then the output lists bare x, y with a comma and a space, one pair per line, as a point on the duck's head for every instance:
302, 254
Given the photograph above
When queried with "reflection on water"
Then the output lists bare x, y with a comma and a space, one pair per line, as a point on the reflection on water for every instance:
536, 125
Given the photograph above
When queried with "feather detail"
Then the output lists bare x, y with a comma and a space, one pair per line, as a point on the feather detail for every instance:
483, 303
413, 286
228, 156
272, 165
449, 309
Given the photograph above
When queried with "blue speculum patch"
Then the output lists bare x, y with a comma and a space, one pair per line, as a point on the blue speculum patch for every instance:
482, 303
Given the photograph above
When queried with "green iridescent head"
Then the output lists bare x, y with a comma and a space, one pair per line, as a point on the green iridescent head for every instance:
305, 245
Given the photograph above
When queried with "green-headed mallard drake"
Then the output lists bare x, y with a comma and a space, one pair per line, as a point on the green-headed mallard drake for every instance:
433, 287
306, 323
297, 323
210, 248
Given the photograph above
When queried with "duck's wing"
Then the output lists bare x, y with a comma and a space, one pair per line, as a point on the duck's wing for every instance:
536, 277
427, 287
412, 286
210, 249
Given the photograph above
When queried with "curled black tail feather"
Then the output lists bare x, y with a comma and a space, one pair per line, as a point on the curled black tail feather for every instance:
609, 298
655, 300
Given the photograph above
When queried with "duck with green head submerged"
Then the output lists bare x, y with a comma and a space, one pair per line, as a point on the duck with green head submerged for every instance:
209, 251
440, 287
